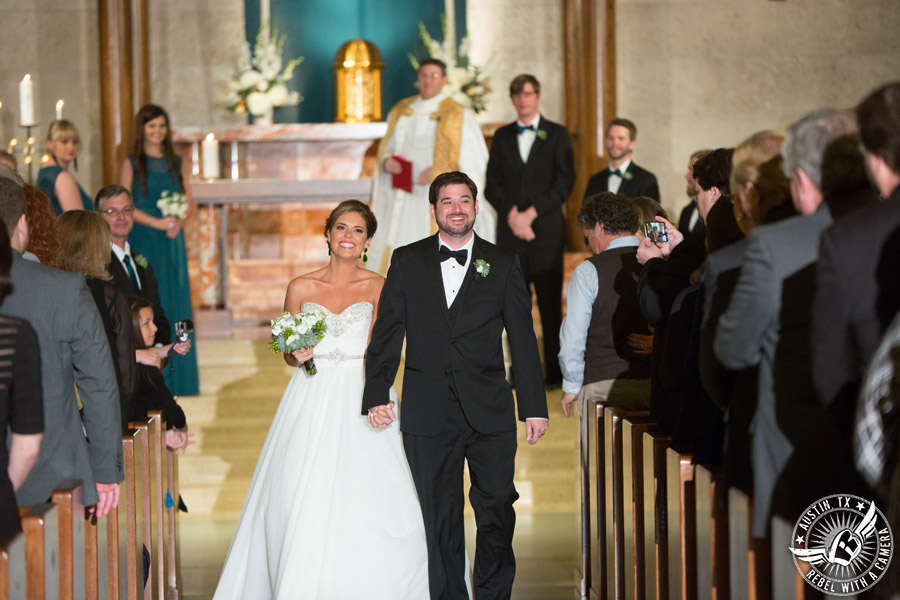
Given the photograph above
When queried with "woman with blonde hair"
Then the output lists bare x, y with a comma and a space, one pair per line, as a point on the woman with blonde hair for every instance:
85, 238
54, 179
757, 181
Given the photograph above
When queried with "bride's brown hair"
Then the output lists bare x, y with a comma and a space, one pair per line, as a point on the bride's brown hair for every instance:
353, 206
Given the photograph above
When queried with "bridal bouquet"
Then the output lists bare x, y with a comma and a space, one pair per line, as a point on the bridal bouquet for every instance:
259, 83
467, 83
172, 204
292, 332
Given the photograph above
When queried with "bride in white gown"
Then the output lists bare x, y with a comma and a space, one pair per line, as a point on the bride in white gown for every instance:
332, 511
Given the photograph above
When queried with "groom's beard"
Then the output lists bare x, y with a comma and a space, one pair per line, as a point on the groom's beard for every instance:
456, 228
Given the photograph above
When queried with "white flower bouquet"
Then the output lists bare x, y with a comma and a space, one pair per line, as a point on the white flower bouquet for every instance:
172, 204
303, 330
467, 83
259, 83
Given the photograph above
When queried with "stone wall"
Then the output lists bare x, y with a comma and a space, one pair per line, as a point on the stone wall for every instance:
708, 73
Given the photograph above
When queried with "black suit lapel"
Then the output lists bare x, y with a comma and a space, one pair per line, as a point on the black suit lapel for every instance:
627, 184
432, 261
123, 281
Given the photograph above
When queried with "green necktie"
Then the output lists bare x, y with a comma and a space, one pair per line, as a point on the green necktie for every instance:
127, 260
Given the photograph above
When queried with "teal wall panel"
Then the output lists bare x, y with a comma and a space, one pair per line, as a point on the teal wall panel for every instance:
316, 29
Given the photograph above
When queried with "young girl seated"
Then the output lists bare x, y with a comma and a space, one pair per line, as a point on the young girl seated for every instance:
152, 393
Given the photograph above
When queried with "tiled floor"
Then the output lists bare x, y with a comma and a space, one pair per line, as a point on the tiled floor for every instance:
241, 385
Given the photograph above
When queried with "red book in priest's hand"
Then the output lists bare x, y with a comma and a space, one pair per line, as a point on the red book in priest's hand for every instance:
403, 180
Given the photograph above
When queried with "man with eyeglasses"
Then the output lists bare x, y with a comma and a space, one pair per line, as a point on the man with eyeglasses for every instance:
427, 135
131, 273
530, 175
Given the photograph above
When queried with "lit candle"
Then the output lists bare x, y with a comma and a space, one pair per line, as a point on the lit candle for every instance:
26, 101
211, 157
59, 107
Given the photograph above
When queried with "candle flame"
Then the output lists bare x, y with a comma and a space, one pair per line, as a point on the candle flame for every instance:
27, 77
210, 137
59, 104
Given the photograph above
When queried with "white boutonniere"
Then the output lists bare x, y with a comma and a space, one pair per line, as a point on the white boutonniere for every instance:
627, 176
541, 134
482, 267
140, 260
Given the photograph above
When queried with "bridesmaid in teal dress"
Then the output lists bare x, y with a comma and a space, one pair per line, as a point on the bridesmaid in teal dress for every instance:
152, 169
54, 179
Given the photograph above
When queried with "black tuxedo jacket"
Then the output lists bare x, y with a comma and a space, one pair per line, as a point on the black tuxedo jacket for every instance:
458, 348
544, 182
642, 183
149, 291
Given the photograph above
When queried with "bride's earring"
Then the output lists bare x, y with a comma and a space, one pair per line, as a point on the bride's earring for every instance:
328, 243
365, 255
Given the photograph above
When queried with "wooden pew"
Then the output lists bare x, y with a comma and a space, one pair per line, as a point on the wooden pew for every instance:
633, 428
158, 487
787, 582
656, 563
40, 523
712, 535
173, 533
144, 492
69, 500
96, 548
589, 572
12, 566
125, 534
749, 558
681, 525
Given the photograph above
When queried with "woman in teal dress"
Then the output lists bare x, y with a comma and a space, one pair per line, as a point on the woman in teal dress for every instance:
54, 179
150, 170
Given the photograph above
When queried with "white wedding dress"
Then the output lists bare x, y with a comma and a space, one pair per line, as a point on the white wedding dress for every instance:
332, 511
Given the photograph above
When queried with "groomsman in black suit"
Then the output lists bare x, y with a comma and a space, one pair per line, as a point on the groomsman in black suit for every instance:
622, 176
450, 296
530, 175
131, 273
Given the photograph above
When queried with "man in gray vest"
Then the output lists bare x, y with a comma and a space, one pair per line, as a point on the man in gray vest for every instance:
602, 310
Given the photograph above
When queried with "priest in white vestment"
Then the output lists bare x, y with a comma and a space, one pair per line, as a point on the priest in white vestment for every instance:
436, 134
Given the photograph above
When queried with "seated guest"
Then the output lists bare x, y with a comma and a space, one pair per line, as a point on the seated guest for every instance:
131, 273
74, 351
689, 217
152, 393
648, 209
797, 457
85, 242
751, 204
21, 404
54, 179
8, 159
43, 235
670, 266
602, 310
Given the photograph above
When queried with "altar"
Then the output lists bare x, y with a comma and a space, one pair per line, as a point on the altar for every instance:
260, 223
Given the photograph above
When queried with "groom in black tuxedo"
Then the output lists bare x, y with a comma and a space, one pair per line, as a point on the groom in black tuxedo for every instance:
530, 175
450, 296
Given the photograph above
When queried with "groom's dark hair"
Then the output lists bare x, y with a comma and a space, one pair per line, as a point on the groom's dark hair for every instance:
451, 178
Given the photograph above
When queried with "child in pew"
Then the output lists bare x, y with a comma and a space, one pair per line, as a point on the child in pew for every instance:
152, 393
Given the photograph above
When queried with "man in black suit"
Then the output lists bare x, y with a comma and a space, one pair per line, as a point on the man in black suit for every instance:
690, 216
622, 176
131, 273
530, 175
450, 296
857, 290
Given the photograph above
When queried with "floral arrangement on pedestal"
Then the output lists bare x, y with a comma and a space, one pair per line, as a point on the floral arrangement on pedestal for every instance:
467, 83
259, 82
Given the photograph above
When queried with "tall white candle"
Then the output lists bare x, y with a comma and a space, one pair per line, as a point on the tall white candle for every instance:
26, 101
450, 19
59, 107
211, 157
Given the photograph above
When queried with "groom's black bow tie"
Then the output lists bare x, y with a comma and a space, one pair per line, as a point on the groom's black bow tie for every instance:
459, 255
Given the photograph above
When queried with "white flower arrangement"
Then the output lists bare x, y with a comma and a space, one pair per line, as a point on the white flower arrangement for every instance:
259, 83
293, 332
172, 204
467, 83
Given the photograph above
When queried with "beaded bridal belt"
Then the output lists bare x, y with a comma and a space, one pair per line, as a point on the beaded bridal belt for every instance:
337, 356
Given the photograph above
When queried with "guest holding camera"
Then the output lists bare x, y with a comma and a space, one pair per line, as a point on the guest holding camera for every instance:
152, 393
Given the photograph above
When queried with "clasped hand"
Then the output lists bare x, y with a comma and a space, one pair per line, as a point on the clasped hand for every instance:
520, 223
171, 225
381, 416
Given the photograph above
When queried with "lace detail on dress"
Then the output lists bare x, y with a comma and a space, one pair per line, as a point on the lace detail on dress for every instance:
339, 323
